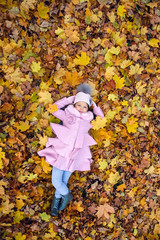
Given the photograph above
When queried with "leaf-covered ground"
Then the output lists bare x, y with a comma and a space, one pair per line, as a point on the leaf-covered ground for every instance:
46, 49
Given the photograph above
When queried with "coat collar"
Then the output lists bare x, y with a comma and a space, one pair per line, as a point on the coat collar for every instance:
72, 110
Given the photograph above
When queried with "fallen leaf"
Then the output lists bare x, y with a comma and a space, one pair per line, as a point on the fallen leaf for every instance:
104, 211
82, 60
45, 216
99, 123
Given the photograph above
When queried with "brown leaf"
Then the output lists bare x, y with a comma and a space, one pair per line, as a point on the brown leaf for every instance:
105, 210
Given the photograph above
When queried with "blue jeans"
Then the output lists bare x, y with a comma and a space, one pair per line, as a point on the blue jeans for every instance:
59, 180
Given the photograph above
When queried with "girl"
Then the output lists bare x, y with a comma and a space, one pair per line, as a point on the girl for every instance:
70, 151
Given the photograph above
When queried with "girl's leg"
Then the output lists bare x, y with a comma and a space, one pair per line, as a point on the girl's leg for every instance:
66, 176
65, 198
58, 182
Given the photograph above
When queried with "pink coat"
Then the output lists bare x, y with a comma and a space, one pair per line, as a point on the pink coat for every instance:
70, 149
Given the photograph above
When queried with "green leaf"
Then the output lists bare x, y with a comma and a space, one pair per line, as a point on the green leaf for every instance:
87, 20
45, 216
28, 54
32, 176
34, 97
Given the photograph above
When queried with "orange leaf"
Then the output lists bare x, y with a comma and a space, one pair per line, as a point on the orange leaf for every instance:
121, 187
6, 107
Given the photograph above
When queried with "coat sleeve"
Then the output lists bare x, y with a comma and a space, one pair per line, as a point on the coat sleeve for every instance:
97, 110
59, 114
64, 101
60, 104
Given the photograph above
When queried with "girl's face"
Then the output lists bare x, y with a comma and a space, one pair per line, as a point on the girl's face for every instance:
82, 107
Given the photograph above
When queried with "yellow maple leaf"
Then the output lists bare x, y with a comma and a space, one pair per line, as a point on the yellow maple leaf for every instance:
77, 206
114, 161
115, 50
150, 170
113, 178
82, 60
94, 18
99, 123
32, 176
73, 35
121, 11
15, 76
148, 110
125, 64
112, 97
141, 87
110, 71
22, 178
59, 31
96, 41
111, 16
132, 124
99, 135
135, 69
144, 30
107, 142
103, 164
19, 203
72, 78
110, 114
35, 67
32, 116
58, 76
23, 126
43, 10
6, 207
153, 42
18, 216
45, 85
42, 140
124, 103
45, 97
52, 108
118, 40
119, 81
19, 236
45, 166
108, 57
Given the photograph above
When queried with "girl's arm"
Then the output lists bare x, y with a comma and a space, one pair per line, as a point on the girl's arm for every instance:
64, 101
60, 104
97, 110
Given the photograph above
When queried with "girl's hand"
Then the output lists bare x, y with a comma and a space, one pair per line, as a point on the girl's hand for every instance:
93, 103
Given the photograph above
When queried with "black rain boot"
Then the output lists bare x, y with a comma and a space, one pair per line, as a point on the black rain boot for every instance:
55, 206
65, 200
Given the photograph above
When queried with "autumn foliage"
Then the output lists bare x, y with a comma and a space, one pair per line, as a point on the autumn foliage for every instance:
47, 48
